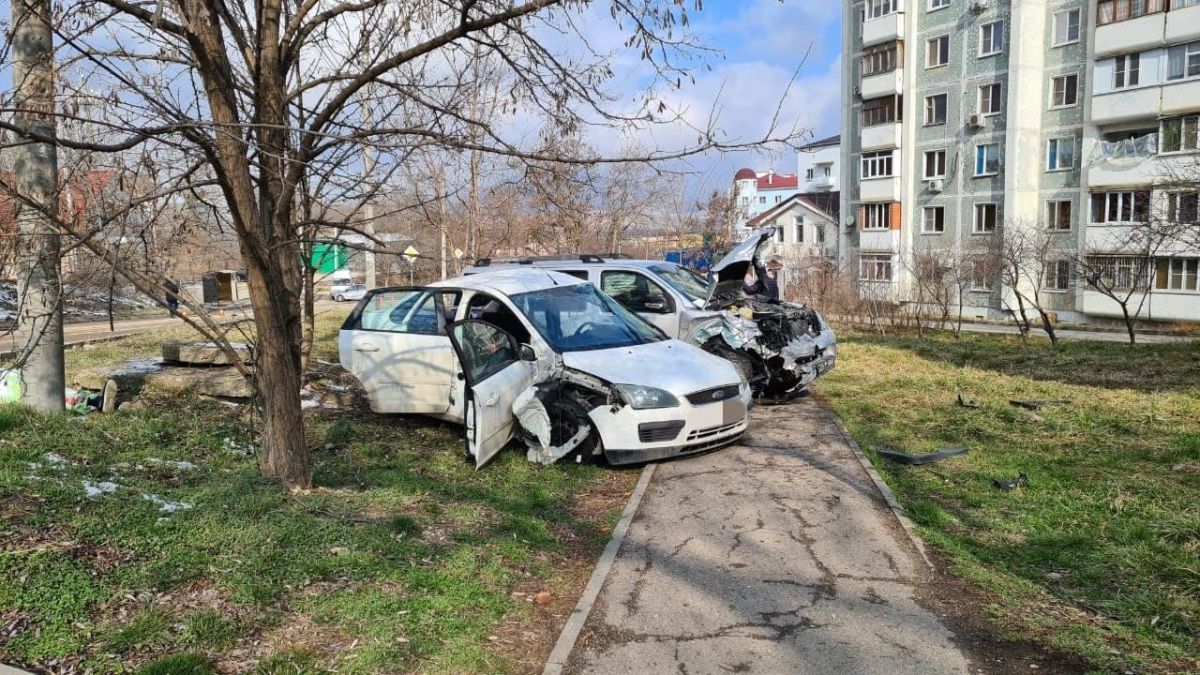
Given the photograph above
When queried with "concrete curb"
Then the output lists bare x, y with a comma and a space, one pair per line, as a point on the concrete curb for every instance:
888, 495
570, 632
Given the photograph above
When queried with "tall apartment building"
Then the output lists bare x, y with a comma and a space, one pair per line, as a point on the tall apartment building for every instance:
1063, 117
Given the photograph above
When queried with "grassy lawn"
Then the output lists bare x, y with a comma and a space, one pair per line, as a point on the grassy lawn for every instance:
1100, 554
402, 559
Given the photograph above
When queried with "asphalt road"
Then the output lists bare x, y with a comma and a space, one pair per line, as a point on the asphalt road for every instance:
778, 555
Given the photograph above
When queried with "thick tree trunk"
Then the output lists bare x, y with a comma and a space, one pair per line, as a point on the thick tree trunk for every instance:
278, 375
39, 283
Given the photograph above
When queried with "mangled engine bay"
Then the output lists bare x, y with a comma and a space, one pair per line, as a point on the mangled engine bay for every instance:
777, 346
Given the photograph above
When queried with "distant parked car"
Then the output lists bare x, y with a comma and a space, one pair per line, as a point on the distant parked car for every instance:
343, 292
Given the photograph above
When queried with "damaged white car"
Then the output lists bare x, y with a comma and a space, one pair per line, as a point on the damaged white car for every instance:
779, 347
545, 357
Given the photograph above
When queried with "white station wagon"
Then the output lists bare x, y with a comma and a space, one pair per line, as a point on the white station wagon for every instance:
545, 357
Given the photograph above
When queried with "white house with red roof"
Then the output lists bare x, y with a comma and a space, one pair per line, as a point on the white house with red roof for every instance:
754, 192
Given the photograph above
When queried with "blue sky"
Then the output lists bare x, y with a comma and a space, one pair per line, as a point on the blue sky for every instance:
763, 42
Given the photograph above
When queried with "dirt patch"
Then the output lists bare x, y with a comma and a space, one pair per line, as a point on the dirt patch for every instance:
526, 638
959, 605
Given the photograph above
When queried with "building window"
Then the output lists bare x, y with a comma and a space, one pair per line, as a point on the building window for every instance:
762, 199
987, 159
877, 164
1111, 11
778, 199
985, 218
881, 59
1176, 274
1058, 275
1064, 91
1181, 134
808, 175
798, 224
935, 164
1183, 207
1127, 70
938, 4
983, 275
878, 216
1060, 154
1066, 27
1123, 273
989, 99
1058, 215
878, 8
828, 170
937, 51
991, 38
935, 109
880, 111
934, 221
875, 267
779, 234
1183, 61
820, 232
1124, 206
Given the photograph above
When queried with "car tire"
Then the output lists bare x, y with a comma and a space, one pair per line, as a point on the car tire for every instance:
340, 298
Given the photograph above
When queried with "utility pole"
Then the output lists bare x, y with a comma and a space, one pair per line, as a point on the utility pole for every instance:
368, 160
441, 197
39, 283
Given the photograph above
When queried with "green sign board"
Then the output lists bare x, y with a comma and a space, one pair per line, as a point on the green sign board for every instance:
328, 258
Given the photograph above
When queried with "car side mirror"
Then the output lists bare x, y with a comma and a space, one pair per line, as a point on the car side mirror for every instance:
654, 306
527, 353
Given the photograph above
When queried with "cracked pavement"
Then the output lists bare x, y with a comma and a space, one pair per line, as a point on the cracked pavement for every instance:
777, 555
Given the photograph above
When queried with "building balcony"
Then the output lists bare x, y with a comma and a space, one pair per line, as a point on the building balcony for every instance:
1130, 35
1159, 306
1183, 25
1126, 105
881, 137
879, 241
883, 29
883, 84
879, 189
1122, 173
1180, 97
821, 184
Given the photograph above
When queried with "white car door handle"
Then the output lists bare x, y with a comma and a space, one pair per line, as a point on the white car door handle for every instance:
492, 400
366, 347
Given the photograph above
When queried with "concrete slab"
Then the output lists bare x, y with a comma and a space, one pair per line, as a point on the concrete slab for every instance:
777, 555
203, 353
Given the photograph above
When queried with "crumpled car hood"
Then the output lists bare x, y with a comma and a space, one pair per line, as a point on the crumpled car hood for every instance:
672, 365
728, 273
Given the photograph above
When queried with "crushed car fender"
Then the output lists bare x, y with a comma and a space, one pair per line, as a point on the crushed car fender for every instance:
572, 396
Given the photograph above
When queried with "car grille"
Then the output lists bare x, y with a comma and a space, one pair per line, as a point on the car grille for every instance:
658, 432
701, 434
714, 395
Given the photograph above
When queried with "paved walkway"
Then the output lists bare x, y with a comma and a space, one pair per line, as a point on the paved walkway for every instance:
775, 556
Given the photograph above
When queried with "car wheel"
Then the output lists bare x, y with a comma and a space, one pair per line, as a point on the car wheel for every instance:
340, 298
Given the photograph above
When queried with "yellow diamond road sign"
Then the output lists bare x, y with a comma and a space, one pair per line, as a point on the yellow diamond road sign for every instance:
458, 253
411, 253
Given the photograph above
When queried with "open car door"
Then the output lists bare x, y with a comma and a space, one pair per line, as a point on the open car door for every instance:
495, 374
395, 342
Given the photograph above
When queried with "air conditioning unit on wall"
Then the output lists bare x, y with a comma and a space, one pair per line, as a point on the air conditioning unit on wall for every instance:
935, 186
975, 122
978, 6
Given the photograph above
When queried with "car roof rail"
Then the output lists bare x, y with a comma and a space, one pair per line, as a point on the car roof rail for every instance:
530, 260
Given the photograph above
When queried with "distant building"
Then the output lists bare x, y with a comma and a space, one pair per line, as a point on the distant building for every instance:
819, 165
755, 192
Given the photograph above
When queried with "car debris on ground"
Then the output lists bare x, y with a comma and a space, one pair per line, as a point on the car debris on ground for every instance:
905, 458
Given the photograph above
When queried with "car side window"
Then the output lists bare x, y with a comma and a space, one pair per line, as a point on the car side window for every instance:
404, 311
636, 292
486, 350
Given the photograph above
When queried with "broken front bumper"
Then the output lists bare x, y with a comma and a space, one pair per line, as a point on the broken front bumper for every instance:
633, 436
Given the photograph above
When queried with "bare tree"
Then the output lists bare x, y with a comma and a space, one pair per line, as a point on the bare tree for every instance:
254, 105
1028, 264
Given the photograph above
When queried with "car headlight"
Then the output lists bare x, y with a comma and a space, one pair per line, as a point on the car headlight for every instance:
647, 398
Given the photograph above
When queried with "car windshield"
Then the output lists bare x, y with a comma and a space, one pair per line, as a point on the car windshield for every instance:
691, 285
579, 318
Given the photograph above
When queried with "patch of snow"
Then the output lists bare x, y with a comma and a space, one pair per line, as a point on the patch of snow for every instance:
308, 403
55, 459
97, 489
180, 464
232, 447
166, 505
